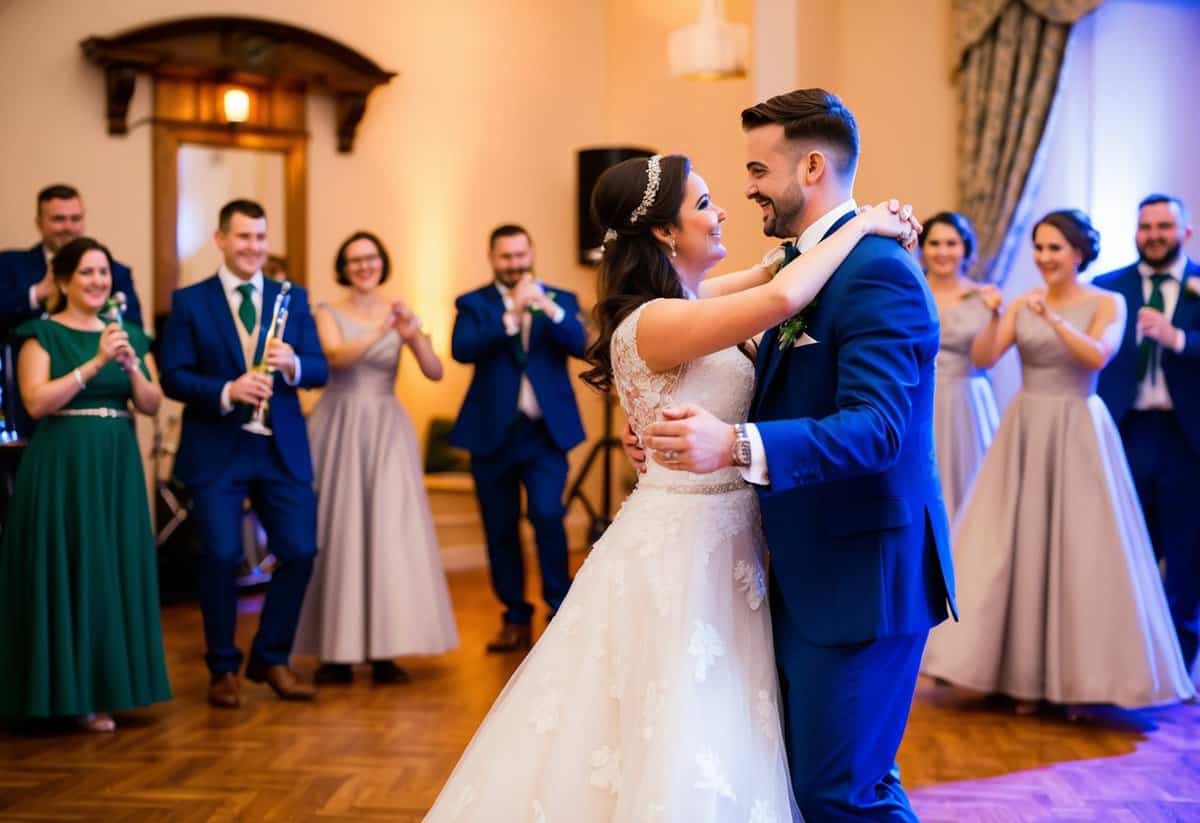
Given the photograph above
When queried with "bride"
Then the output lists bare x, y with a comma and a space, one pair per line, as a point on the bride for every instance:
652, 695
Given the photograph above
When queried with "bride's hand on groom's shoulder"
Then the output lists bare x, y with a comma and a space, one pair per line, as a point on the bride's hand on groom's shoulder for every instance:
892, 219
772, 261
690, 439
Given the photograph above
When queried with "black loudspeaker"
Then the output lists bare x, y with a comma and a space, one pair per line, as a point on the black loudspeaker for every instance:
592, 164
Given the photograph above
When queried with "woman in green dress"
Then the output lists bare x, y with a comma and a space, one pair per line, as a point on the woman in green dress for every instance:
79, 614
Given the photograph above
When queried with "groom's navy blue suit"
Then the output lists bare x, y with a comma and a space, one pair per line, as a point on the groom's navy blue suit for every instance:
853, 514
223, 465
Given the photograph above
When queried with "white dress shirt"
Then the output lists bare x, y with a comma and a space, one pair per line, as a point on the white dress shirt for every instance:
230, 282
527, 402
757, 472
1153, 394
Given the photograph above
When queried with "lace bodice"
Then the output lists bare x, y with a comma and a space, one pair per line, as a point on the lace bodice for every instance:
722, 383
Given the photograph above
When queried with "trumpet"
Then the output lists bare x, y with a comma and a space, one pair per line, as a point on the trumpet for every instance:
279, 314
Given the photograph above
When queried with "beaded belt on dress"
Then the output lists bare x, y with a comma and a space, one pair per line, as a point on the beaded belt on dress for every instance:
102, 412
711, 488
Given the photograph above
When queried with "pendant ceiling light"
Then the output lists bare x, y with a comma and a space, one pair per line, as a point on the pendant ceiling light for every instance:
711, 48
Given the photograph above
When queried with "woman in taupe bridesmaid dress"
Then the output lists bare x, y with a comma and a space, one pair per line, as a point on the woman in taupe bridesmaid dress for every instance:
1059, 596
964, 410
378, 589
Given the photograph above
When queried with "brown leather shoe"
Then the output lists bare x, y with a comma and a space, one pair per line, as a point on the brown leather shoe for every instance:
512, 637
282, 680
223, 692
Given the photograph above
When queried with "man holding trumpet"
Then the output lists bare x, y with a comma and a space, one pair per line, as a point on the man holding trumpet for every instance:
220, 361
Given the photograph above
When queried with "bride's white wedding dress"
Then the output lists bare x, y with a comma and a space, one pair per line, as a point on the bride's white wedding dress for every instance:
652, 696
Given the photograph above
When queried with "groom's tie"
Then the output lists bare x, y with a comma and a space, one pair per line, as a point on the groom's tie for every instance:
790, 253
1148, 349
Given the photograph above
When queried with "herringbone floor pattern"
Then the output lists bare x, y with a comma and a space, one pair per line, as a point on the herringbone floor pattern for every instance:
374, 753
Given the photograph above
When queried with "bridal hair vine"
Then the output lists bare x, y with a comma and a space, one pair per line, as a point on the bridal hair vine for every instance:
653, 176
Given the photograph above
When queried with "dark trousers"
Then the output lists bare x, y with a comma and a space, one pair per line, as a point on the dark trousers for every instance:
529, 458
1166, 472
287, 509
844, 713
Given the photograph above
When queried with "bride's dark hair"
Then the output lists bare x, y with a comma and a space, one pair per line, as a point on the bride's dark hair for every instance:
635, 266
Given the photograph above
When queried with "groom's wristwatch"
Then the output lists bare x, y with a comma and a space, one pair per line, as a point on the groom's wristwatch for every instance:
740, 452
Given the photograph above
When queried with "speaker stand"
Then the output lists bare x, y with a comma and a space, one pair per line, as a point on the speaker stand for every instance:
599, 518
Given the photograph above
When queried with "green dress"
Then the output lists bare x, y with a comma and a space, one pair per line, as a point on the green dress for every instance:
79, 611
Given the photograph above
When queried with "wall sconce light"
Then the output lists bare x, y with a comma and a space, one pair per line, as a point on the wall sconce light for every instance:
236, 103
709, 49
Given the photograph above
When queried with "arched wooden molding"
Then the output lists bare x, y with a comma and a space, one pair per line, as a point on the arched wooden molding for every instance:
262, 55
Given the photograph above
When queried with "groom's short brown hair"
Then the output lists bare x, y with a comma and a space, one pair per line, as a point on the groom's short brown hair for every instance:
810, 114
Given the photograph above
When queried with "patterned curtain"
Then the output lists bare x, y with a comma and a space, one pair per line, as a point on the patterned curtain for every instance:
1008, 57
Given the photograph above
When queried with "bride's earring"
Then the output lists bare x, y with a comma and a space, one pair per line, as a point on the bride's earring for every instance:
673, 248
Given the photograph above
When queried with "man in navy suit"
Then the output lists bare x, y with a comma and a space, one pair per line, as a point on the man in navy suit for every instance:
215, 335
518, 421
841, 449
1152, 389
26, 281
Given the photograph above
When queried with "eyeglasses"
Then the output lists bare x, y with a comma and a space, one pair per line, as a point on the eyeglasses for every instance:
365, 260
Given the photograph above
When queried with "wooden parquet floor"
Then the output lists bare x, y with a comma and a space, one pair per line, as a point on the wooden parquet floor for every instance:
375, 753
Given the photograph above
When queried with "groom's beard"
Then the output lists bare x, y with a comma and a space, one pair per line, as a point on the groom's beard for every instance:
783, 219
1163, 260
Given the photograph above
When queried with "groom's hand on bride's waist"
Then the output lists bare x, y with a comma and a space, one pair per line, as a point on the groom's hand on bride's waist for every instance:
633, 449
691, 439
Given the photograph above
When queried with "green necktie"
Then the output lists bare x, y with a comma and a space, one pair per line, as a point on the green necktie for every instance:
790, 253
1148, 350
246, 310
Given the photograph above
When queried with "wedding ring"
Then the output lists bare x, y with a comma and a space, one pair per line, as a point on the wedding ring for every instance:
671, 456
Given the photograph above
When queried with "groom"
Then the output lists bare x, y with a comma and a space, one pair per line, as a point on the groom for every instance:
841, 449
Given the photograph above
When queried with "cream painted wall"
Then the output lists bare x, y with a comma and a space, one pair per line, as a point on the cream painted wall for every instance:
890, 62
645, 106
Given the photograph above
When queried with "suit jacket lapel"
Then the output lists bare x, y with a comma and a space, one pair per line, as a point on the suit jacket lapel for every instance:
1187, 302
36, 268
491, 296
218, 309
767, 363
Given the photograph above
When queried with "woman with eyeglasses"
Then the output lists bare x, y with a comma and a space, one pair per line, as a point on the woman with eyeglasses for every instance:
378, 590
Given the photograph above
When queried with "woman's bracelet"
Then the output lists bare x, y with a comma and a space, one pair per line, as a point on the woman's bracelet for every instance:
79, 379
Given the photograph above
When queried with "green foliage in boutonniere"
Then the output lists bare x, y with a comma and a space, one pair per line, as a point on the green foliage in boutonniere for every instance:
796, 326
550, 295
1191, 287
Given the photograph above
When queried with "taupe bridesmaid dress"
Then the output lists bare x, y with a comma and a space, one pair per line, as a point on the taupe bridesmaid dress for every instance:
378, 589
964, 411
1059, 596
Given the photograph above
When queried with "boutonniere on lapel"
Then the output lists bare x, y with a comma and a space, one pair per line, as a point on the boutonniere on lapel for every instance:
1192, 287
796, 326
550, 295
